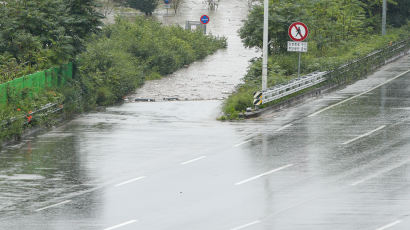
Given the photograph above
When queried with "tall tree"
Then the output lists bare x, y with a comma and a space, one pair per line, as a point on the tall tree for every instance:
84, 20
281, 16
398, 14
38, 34
175, 4
146, 6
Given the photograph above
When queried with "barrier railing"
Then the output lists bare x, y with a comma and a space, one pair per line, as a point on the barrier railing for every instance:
293, 86
342, 74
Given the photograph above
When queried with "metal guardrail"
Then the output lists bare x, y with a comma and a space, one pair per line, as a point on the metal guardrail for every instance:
379, 57
49, 108
293, 86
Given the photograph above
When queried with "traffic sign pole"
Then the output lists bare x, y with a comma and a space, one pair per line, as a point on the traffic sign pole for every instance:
300, 53
384, 15
265, 46
298, 32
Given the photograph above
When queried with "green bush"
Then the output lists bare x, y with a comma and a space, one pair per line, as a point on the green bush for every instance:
127, 53
282, 67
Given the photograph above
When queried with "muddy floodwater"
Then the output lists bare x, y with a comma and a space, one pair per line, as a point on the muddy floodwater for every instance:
216, 76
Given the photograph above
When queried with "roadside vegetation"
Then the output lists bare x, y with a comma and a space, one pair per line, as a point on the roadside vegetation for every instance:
340, 31
36, 35
125, 54
109, 61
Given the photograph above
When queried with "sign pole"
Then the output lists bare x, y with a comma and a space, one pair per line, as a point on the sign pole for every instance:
300, 53
298, 32
265, 46
384, 14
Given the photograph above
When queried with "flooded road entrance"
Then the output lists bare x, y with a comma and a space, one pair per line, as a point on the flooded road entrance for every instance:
216, 76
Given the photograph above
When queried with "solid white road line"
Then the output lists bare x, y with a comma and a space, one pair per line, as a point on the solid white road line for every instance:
284, 127
400, 164
121, 225
351, 98
389, 225
364, 135
246, 225
193, 160
129, 181
54, 205
264, 174
242, 143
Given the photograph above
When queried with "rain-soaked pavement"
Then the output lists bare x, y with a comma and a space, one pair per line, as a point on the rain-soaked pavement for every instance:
171, 165
338, 162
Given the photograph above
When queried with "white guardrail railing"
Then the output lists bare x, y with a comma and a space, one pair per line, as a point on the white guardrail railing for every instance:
49, 108
293, 86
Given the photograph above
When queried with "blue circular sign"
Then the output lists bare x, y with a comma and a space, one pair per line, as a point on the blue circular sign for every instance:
204, 19
167, 1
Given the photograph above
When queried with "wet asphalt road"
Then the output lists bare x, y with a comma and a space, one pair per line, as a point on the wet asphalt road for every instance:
171, 165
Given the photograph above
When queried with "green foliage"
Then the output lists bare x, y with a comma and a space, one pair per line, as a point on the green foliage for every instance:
36, 35
125, 54
330, 22
282, 67
146, 6
282, 14
340, 31
239, 101
13, 117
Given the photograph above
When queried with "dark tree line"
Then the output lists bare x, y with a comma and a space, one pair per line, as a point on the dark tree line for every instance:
330, 21
146, 6
37, 34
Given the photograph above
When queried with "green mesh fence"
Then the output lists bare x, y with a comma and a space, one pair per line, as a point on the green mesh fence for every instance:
37, 82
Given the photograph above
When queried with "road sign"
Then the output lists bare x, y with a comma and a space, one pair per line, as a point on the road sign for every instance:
204, 19
298, 47
257, 98
167, 1
190, 25
298, 31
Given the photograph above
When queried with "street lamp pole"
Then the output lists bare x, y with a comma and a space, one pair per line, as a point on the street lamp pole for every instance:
265, 46
384, 17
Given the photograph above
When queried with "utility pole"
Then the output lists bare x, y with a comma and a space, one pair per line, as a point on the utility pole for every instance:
265, 46
384, 17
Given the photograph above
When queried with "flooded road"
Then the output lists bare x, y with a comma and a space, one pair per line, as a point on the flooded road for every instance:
171, 165
216, 76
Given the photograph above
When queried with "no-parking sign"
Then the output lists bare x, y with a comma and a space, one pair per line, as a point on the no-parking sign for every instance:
298, 31
204, 19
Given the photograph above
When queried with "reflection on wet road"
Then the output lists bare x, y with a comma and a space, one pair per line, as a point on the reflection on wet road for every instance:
171, 165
